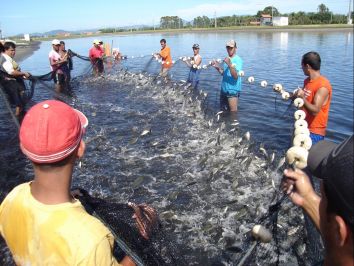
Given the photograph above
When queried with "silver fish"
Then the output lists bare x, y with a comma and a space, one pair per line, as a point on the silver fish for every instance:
263, 150
145, 132
247, 136
280, 164
219, 113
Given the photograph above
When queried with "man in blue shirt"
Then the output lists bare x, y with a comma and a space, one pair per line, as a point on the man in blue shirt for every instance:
231, 82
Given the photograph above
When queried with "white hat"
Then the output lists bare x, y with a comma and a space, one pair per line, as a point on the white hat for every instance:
8, 40
55, 42
231, 43
97, 41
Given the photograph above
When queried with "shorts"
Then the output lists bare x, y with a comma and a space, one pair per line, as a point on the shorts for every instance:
231, 94
14, 89
59, 78
316, 138
164, 72
97, 65
193, 77
224, 102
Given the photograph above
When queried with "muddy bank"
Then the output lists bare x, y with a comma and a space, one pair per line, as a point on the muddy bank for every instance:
25, 50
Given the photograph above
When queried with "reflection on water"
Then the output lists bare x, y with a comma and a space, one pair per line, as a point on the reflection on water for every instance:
284, 40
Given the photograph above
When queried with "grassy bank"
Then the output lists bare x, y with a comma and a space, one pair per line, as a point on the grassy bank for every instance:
327, 27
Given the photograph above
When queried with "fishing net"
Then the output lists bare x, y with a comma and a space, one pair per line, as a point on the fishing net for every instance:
291, 239
25, 87
157, 250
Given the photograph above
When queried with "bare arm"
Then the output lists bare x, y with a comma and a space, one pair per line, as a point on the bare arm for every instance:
297, 185
232, 68
127, 261
17, 73
198, 60
13, 72
319, 100
217, 67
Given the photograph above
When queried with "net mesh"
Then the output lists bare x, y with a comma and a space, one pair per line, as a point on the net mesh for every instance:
157, 250
291, 239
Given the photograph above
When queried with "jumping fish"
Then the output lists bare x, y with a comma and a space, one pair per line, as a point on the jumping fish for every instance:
247, 136
280, 164
219, 113
271, 158
133, 140
145, 132
166, 155
218, 140
263, 150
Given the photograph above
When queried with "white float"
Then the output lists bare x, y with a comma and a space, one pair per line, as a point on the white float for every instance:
264, 83
302, 140
297, 156
299, 114
298, 102
300, 123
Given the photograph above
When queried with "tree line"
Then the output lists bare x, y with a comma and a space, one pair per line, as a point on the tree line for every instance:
322, 16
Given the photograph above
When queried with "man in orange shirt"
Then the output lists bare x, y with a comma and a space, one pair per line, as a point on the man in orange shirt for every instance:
317, 95
165, 56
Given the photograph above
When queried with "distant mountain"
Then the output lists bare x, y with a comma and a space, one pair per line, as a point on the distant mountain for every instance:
62, 32
59, 32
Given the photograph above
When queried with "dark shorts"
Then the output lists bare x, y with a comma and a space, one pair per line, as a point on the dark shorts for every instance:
14, 89
231, 94
98, 65
59, 78
224, 102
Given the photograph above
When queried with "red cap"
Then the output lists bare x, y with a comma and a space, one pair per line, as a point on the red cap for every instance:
51, 131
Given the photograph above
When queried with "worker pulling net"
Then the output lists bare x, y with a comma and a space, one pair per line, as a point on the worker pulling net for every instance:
141, 237
278, 238
25, 87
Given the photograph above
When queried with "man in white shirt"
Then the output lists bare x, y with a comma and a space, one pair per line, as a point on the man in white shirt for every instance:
12, 76
56, 62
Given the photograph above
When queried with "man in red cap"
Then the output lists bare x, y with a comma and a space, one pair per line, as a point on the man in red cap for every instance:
40, 220
333, 212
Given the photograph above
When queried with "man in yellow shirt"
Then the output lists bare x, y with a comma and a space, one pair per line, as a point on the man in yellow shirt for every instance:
40, 221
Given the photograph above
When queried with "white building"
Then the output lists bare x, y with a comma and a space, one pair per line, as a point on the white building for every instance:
280, 21
27, 37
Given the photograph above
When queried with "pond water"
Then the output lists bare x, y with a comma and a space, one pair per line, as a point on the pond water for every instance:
204, 177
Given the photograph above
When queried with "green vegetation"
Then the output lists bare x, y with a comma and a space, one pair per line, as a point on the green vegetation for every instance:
321, 17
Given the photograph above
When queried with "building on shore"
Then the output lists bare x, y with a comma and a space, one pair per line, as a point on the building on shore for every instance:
280, 21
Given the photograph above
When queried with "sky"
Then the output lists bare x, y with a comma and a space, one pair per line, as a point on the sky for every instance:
29, 16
